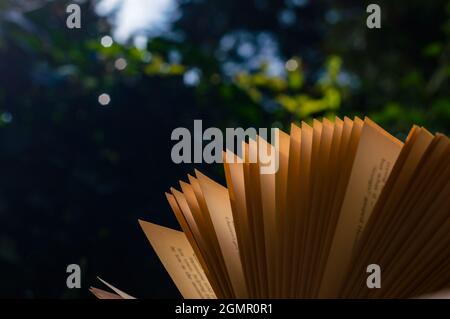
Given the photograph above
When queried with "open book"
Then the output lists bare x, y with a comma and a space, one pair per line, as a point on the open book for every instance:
347, 197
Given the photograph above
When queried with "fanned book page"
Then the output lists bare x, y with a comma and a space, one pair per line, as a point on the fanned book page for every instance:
350, 212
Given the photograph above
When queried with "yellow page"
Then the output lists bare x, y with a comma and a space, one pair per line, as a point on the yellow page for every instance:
375, 156
218, 202
177, 256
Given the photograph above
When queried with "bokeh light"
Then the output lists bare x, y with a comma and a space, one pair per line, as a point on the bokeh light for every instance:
120, 64
6, 117
291, 65
107, 41
104, 99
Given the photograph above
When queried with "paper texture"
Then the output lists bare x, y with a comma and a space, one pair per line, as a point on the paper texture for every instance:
120, 293
376, 154
219, 206
102, 294
177, 256
346, 194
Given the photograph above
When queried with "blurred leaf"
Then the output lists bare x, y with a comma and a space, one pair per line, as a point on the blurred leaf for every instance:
433, 49
295, 79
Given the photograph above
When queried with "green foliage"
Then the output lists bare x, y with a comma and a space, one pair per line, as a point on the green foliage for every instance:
290, 92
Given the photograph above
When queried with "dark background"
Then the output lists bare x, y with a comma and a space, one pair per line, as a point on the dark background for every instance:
76, 175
